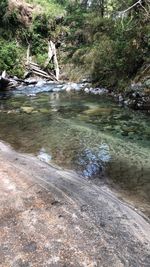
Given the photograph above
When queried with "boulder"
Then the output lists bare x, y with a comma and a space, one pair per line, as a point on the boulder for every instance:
27, 110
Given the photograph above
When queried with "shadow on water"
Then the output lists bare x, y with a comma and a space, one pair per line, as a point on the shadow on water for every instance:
87, 133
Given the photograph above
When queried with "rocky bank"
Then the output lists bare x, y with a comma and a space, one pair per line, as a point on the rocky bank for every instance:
52, 217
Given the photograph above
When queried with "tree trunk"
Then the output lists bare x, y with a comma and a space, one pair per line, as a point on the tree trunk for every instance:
28, 54
52, 56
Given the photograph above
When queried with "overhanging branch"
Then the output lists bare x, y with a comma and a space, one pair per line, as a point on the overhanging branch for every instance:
129, 8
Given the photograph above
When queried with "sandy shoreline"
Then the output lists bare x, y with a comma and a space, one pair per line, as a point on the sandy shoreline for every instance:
52, 217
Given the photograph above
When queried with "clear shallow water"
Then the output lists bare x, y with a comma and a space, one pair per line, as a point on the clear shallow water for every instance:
90, 134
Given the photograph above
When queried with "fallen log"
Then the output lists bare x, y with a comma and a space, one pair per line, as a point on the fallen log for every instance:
34, 64
25, 82
48, 73
48, 77
52, 75
7, 83
53, 57
35, 69
56, 66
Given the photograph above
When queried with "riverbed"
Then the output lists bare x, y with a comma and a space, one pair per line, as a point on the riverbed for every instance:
101, 141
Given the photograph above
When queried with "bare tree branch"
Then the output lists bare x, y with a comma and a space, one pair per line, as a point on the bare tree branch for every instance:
147, 12
129, 8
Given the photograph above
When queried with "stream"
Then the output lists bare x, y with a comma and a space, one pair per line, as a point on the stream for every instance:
102, 142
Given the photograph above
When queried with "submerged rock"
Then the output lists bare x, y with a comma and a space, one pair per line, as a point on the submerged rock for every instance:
108, 128
44, 110
97, 111
27, 110
92, 161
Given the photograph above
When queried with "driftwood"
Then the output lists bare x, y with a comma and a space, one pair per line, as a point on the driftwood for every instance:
36, 70
55, 61
44, 73
7, 83
28, 54
52, 56
33, 68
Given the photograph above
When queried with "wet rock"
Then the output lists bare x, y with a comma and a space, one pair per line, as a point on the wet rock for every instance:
120, 98
27, 110
147, 91
147, 83
127, 102
138, 96
34, 111
44, 156
123, 133
44, 110
92, 162
31, 95
15, 104
73, 87
40, 83
97, 111
108, 128
96, 91
131, 135
99, 91
117, 128
86, 90
86, 80
12, 111
129, 129
136, 86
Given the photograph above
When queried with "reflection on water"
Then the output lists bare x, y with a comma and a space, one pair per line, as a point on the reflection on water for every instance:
92, 161
90, 134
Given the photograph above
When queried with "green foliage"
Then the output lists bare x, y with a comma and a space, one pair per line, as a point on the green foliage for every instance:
101, 61
41, 25
3, 8
49, 7
11, 58
41, 58
110, 48
10, 19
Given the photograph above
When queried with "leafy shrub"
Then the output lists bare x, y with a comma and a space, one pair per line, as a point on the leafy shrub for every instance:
3, 8
11, 58
112, 49
41, 58
52, 8
101, 61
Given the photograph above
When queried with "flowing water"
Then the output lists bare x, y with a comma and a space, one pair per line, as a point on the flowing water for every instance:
90, 134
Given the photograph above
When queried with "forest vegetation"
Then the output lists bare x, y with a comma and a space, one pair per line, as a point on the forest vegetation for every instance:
106, 40
75, 133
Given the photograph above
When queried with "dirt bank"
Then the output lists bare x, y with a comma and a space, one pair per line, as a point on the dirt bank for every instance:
52, 217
